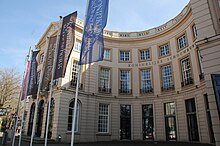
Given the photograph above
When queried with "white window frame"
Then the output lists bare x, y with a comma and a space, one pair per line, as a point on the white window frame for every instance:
107, 54
125, 81
167, 77
164, 50
103, 118
145, 80
144, 55
104, 76
76, 129
182, 41
124, 56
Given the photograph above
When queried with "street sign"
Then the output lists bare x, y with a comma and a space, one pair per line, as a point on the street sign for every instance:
3, 111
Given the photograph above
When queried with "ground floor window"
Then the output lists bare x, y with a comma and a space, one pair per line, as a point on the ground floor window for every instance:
70, 116
103, 123
147, 121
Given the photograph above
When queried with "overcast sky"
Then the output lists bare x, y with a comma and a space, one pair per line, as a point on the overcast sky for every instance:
23, 22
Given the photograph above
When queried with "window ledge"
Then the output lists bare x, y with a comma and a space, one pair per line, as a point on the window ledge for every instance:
103, 134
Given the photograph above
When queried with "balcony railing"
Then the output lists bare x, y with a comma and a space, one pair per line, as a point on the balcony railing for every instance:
125, 91
73, 85
201, 76
146, 90
186, 82
105, 90
171, 87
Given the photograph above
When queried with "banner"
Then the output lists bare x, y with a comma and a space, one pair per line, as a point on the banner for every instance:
24, 92
49, 63
32, 85
66, 43
92, 49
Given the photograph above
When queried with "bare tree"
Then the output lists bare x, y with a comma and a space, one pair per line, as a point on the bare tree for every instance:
9, 84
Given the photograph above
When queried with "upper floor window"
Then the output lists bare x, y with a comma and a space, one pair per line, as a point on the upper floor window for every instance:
194, 31
125, 81
146, 81
164, 50
75, 69
70, 116
103, 122
124, 55
144, 55
186, 72
167, 77
182, 42
201, 75
107, 54
41, 58
77, 45
104, 80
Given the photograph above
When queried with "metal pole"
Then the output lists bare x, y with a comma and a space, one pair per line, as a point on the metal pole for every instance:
51, 82
38, 94
75, 106
20, 97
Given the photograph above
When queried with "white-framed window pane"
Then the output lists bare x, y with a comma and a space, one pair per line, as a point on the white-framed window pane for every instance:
70, 116
164, 50
194, 31
75, 69
186, 72
103, 122
167, 76
182, 42
107, 54
124, 56
146, 82
125, 86
104, 80
144, 55
77, 46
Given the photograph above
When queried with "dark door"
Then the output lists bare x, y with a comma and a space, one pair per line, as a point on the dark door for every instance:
39, 118
31, 118
147, 121
125, 126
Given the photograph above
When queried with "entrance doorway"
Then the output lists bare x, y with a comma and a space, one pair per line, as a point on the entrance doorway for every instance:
39, 119
125, 123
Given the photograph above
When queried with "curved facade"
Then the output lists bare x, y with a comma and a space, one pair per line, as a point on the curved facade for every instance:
153, 84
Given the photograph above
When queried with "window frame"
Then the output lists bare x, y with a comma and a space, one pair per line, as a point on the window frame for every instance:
108, 89
129, 91
124, 61
71, 116
108, 119
145, 59
159, 50
186, 41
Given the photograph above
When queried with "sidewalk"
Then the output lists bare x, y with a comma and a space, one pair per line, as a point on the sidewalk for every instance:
122, 143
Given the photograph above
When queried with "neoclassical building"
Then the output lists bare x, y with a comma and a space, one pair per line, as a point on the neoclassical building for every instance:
161, 83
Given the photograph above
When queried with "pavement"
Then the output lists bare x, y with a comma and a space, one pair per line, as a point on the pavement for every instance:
120, 143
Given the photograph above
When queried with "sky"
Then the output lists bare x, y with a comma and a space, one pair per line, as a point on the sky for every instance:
23, 22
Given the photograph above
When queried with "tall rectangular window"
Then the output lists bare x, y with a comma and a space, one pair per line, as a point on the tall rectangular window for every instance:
107, 54
146, 81
144, 55
192, 120
125, 81
104, 80
182, 41
186, 72
170, 120
194, 31
124, 56
164, 50
167, 77
41, 58
77, 45
201, 75
103, 123
148, 121
75, 68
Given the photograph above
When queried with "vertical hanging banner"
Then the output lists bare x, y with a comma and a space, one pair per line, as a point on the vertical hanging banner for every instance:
92, 49
49, 63
32, 85
24, 92
66, 43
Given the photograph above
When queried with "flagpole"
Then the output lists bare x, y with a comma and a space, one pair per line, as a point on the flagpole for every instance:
20, 97
51, 82
77, 89
38, 93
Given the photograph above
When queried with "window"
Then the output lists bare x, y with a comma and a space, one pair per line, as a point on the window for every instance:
41, 58
164, 50
194, 31
77, 45
146, 82
192, 120
103, 123
104, 80
70, 116
201, 75
186, 72
182, 42
144, 55
107, 54
167, 83
124, 56
125, 85
148, 121
170, 121
75, 69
